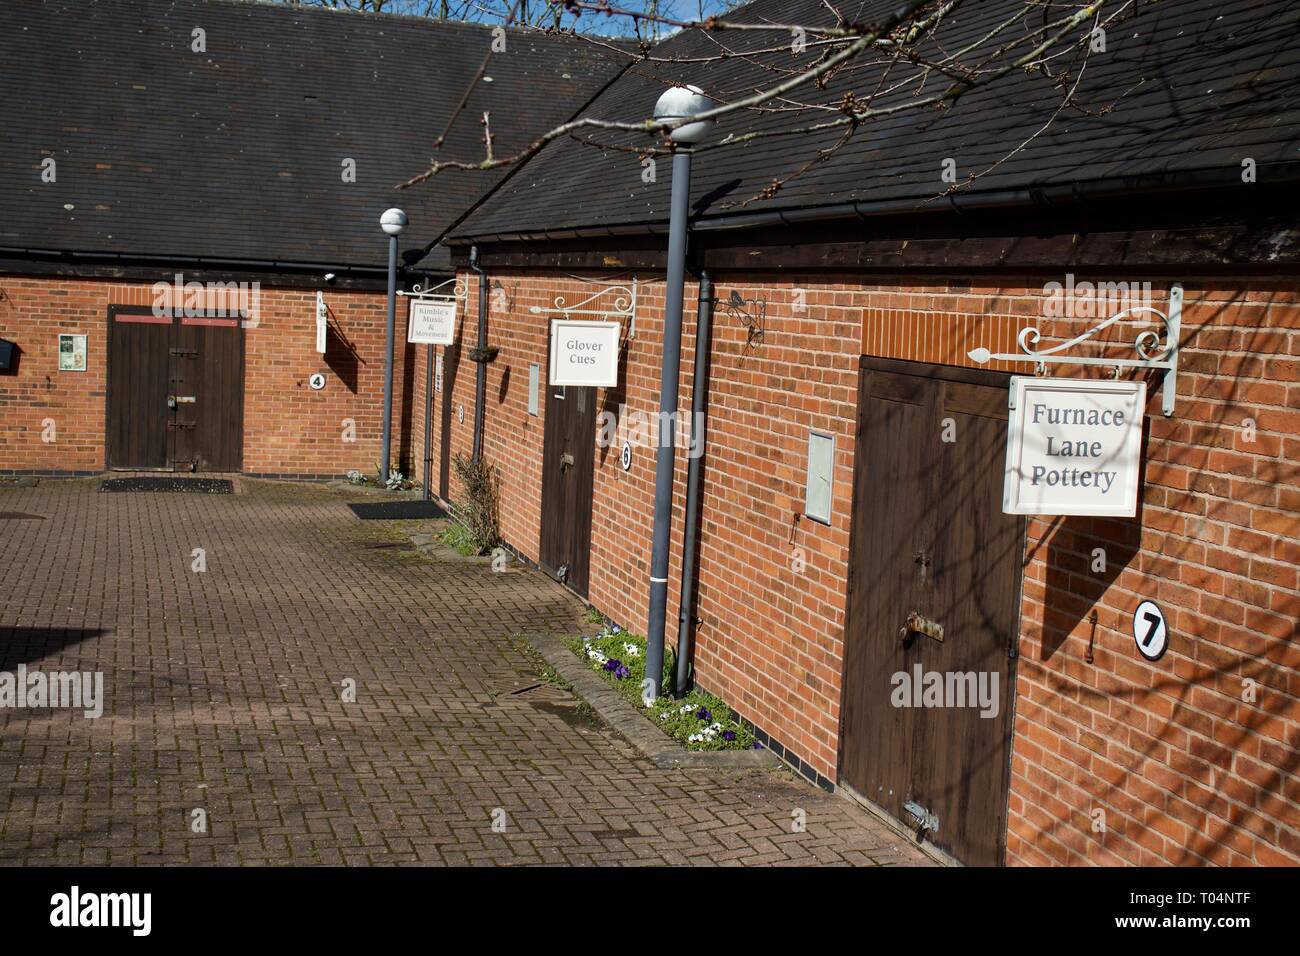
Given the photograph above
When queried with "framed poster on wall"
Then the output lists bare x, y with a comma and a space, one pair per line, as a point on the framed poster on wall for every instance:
72, 353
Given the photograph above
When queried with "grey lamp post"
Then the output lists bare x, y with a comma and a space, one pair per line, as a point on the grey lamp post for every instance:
393, 221
676, 103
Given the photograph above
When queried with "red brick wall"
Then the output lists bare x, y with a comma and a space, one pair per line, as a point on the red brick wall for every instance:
288, 427
33, 312
1184, 769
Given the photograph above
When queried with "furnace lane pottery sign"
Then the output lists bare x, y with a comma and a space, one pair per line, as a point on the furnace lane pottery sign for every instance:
431, 322
1074, 447
584, 353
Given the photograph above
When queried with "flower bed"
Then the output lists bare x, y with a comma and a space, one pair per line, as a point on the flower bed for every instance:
700, 721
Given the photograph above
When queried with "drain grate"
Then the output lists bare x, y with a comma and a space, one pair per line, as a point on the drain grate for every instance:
532, 691
202, 486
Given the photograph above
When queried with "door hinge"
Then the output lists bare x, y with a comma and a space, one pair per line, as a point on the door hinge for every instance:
184, 353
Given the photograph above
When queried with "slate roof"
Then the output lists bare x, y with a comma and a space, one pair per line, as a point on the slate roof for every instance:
1191, 85
237, 153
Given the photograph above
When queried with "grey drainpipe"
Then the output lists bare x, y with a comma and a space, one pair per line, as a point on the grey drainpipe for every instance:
480, 376
694, 468
428, 422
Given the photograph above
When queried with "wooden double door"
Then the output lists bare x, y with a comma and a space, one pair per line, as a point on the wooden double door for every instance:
175, 391
568, 471
933, 605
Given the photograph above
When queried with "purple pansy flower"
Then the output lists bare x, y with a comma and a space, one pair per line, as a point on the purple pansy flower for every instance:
703, 714
728, 735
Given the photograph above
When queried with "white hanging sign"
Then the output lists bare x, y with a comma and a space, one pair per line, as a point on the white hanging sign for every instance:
432, 321
1074, 447
584, 353
322, 322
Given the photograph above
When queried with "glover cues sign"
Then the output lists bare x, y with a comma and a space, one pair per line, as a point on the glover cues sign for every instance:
584, 353
1074, 447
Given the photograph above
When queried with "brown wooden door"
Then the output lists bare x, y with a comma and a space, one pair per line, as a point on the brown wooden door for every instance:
207, 374
138, 370
175, 393
929, 538
568, 462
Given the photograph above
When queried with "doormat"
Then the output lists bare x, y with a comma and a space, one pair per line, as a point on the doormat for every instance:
202, 486
396, 510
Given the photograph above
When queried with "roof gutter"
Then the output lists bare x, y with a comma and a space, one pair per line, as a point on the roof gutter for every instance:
1040, 197
268, 265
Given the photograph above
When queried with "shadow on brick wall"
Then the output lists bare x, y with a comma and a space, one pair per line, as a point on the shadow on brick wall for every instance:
342, 358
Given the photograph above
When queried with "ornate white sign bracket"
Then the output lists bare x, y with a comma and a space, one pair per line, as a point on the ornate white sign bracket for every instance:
1154, 350
457, 293
622, 307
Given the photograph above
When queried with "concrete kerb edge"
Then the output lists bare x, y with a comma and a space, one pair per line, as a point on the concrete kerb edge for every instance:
619, 714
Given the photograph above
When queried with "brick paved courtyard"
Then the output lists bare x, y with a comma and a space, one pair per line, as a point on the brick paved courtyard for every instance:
224, 694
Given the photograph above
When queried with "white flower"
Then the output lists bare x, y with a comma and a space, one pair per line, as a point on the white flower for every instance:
663, 716
631, 650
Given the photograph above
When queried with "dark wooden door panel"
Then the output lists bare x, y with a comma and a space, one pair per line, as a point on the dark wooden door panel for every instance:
884, 581
137, 413
219, 410
176, 391
568, 463
183, 396
929, 538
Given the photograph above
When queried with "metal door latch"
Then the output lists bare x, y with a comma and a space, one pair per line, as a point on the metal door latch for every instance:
926, 822
562, 573
917, 624
566, 461
922, 559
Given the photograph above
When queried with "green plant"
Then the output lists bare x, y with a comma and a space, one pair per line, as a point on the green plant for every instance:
457, 536
393, 481
699, 720
478, 510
